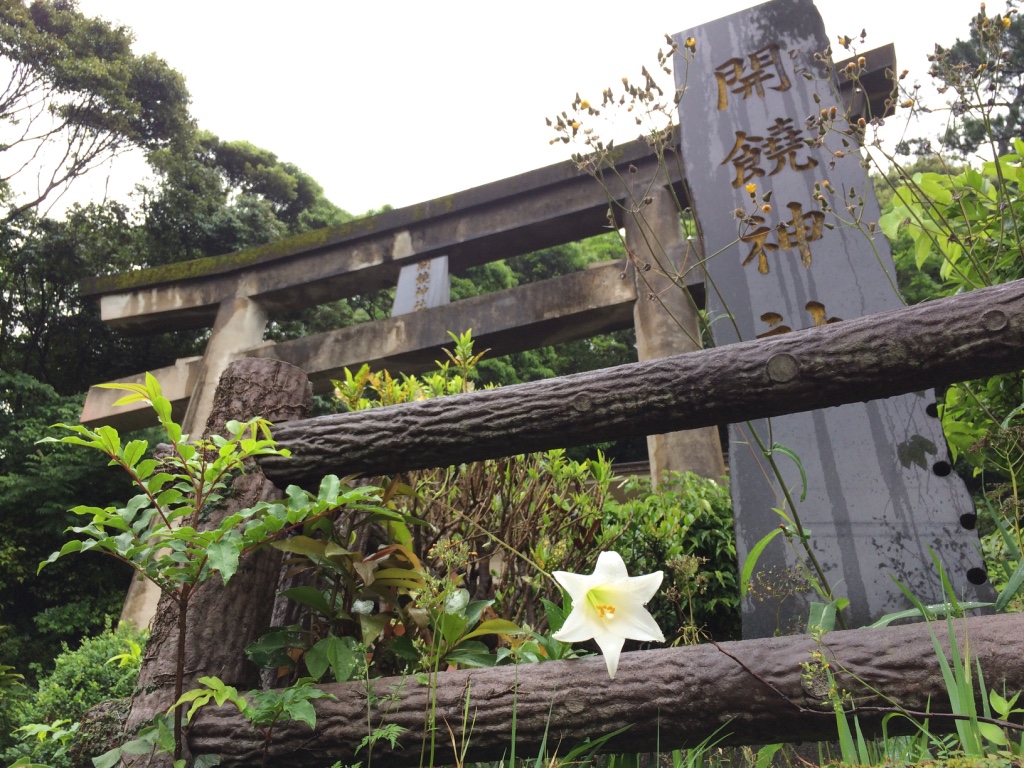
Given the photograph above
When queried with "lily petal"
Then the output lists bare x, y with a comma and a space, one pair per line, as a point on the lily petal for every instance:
643, 588
611, 648
608, 607
576, 584
634, 622
610, 568
577, 628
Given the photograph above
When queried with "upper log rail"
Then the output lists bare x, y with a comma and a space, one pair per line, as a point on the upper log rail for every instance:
970, 336
538, 209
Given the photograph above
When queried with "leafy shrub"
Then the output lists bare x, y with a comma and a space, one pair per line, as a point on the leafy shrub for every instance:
684, 528
102, 667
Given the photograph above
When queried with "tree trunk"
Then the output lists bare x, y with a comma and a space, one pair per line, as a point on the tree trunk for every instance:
223, 620
756, 692
954, 339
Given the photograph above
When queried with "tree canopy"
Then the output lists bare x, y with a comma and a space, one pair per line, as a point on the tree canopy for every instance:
986, 71
76, 95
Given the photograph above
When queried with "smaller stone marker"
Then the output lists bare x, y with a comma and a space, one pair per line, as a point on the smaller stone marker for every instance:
422, 285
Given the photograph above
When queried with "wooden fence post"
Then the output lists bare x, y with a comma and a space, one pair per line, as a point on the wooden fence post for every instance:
223, 620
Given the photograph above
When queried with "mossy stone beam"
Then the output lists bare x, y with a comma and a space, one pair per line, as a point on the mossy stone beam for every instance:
538, 209
970, 336
574, 306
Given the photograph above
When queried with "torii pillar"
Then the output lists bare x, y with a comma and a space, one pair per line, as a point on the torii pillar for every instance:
667, 322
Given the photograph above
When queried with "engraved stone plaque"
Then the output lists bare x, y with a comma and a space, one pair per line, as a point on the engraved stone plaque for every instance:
422, 285
880, 494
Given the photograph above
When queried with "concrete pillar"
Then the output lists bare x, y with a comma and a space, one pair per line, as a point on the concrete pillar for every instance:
239, 326
666, 321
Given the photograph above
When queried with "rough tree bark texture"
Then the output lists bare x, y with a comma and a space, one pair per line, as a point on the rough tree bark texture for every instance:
756, 691
222, 621
954, 339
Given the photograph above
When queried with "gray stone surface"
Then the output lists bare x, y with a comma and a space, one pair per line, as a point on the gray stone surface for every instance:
879, 494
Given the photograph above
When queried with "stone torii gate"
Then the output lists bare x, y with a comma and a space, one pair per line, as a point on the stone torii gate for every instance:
238, 294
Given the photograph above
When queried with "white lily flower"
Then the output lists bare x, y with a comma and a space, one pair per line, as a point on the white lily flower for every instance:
608, 606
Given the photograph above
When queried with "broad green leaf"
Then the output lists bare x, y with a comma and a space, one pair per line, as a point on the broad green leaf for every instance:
1013, 586
554, 613
475, 610
1000, 705
346, 657
779, 448
822, 618
495, 627
371, 625
751, 562
109, 440
142, 746
145, 468
303, 712
75, 545
134, 451
223, 557
302, 545
935, 186
311, 597
108, 759
922, 249
399, 574
330, 486
322, 656
992, 733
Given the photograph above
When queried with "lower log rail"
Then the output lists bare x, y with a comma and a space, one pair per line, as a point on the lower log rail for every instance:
755, 691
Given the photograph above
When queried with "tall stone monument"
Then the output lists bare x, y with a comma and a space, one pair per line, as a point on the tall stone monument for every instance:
789, 226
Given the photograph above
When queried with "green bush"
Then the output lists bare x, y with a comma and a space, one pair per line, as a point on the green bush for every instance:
684, 528
102, 667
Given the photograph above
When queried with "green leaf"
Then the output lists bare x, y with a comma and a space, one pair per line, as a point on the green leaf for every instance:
108, 759
1013, 586
751, 562
765, 755
554, 613
134, 451
302, 545
495, 627
992, 733
922, 249
223, 556
75, 545
330, 486
303, 712
405, 578
822, 618
371, 626
935, 186
311, 597
342, 655
779, 448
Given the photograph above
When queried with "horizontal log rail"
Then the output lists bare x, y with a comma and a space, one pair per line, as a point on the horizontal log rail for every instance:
755, 691
976, 334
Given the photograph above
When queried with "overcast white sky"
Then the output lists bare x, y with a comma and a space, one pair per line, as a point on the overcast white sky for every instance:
399, 102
